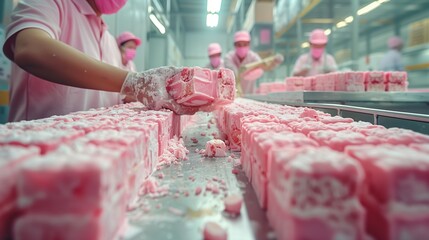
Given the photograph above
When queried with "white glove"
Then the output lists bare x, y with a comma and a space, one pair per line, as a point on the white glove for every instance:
148, 87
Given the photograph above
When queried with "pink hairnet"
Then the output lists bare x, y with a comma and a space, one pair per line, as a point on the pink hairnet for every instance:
242, 36
127, 36
318, 36
214, 48
394, 42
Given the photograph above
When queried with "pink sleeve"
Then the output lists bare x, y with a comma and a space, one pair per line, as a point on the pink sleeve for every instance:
40, 14
229, 62
332, 65
299, 63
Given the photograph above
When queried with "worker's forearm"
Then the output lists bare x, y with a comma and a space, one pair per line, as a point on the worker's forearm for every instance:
57, 62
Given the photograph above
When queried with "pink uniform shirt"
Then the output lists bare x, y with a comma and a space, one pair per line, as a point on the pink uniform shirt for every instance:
233, 62
325, 64
130, 66
75, 23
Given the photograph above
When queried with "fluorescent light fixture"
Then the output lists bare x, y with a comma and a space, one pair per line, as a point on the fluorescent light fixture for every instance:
157, 23
368, 8
213, 6
212, 20
348, 19
341, 24
305, 45
327, 32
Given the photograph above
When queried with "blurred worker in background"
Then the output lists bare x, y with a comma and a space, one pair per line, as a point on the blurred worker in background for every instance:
128, 44
392, 60
66, 61
241, 56
317, 61
215, 53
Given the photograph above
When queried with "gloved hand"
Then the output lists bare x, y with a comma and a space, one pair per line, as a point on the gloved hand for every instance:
149, 88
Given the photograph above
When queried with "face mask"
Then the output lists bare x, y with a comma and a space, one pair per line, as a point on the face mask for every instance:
215, 61
316, 53
109, 6
129, 54
241, 51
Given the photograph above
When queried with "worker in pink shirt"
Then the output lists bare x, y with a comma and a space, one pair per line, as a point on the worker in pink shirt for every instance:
128, 44
215, 55
65, 60
241, 56
317, 61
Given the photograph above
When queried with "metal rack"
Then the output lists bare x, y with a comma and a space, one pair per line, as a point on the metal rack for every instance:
383, 108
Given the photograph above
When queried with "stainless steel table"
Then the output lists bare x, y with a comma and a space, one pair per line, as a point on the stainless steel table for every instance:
176, 216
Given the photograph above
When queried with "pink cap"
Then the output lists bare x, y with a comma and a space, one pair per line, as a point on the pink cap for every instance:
214, 48
242, 36
127, 36
318, 36
394, 42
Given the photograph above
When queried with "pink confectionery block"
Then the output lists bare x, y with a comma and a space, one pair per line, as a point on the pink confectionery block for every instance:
315, 188
311, 176
68, 183
305, 127
295, 84
421, 147
309, 83
395, 173
164, 119
233, 203
265, 143
375, 81
354, 82
11, 158
200, 86
102, 226
340, 81
315, 223
248, 131
323, 83
396, 81
215, 148
213, 231
397, 187
335, 119
233, 127
339, 140
134, 150
259, 183
396, 136
46, 140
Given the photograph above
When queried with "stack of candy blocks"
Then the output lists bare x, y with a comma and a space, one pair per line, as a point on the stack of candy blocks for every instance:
72, 176
324, 177
375, 81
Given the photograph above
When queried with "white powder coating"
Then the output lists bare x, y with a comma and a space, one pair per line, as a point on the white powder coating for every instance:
12, 153
312, 159
56, 161
35, 136
392, 156
149, 87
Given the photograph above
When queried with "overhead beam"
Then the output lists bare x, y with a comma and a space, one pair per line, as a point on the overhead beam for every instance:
318, 20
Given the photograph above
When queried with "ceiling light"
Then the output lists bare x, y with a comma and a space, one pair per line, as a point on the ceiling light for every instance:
368, 8
212, 20
213, 6
305, 45
348, 19
341, 24
327, 32
157, 23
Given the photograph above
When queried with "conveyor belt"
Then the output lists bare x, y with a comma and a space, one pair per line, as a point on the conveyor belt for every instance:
156, 221
383, 106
